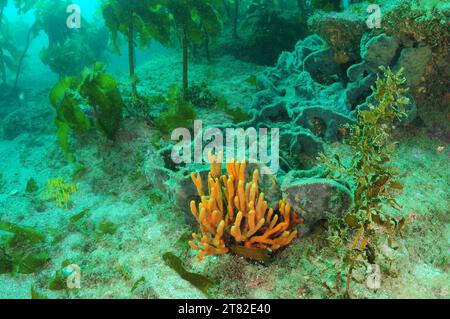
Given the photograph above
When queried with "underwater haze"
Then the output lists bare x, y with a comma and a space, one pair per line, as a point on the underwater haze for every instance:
248, 149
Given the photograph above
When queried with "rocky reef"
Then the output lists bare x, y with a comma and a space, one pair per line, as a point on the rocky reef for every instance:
316, 95
315, 90
304, 96
323, 84
413, 35
310, 94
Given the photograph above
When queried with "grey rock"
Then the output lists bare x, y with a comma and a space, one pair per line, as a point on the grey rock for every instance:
380, 50
414, 60
315, 199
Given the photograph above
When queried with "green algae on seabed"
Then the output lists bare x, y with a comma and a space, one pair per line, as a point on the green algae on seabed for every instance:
22, 234
77, 217
20, 251
106, 227
137, 283
31, 186
200, 282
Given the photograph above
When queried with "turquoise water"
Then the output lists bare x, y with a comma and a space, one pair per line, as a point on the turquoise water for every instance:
224, 149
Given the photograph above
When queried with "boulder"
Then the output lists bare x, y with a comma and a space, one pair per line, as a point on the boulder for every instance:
316, 198
414, 61
380, 50
341, 31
